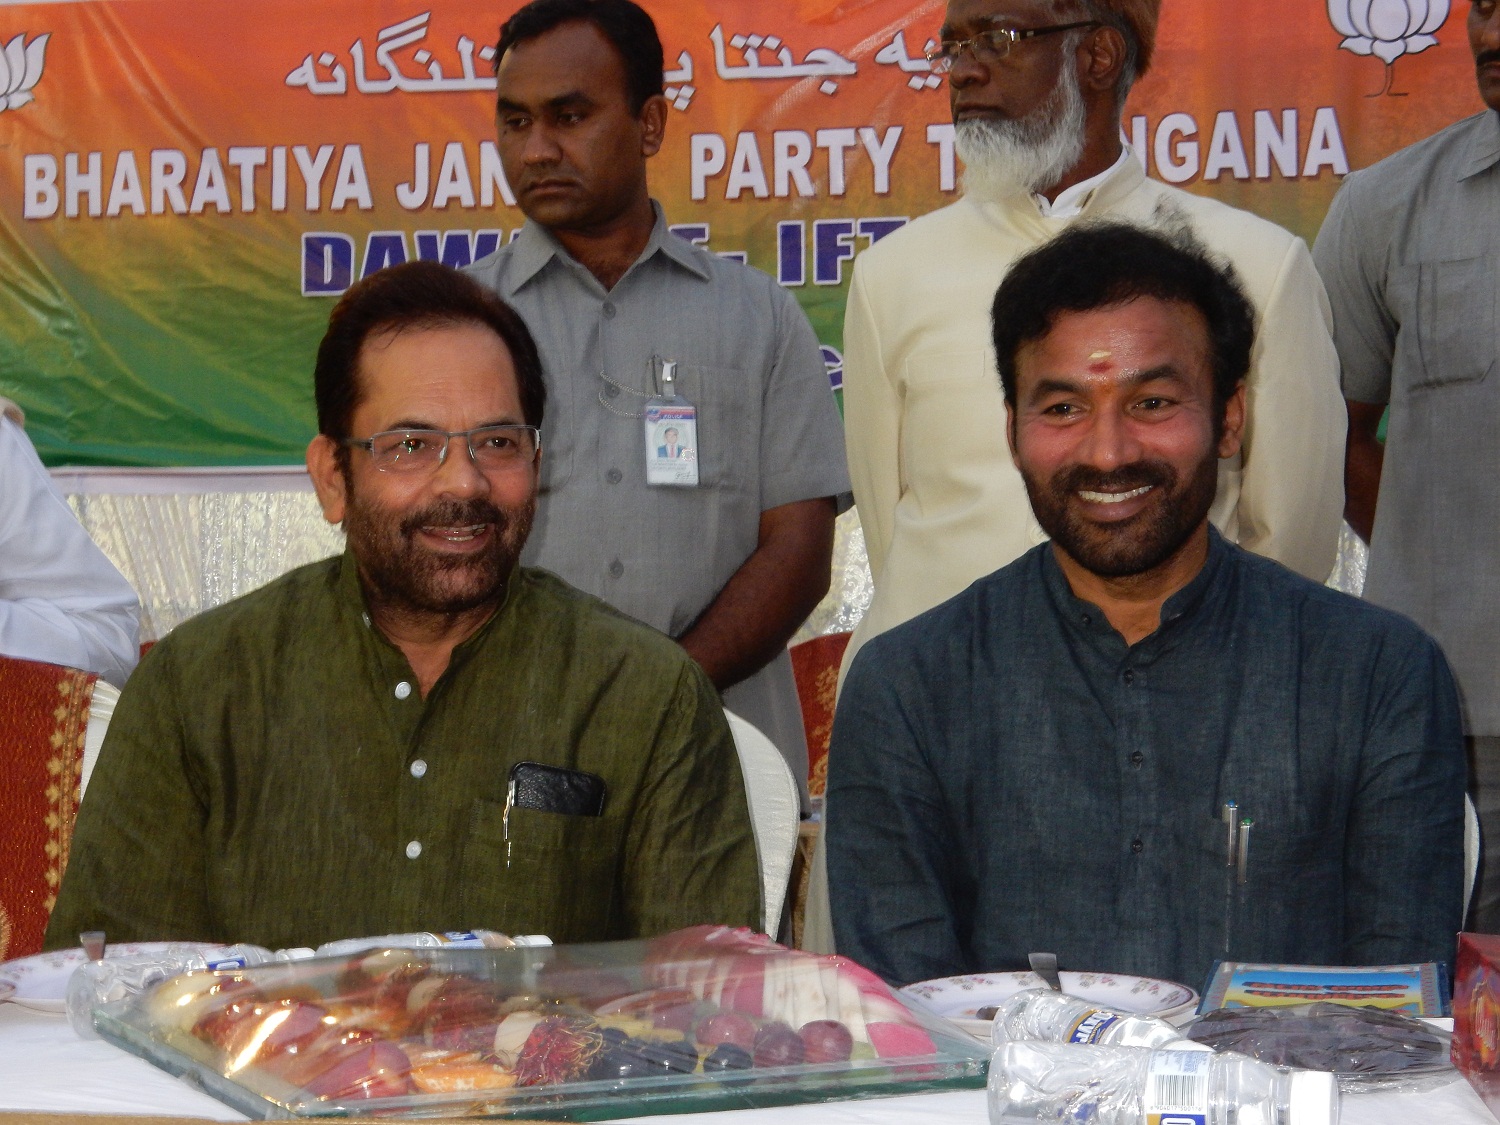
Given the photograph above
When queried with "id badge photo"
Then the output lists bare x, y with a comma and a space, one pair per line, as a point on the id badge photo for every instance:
671, 433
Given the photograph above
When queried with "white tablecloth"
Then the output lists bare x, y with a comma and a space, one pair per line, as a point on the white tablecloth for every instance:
46, 1068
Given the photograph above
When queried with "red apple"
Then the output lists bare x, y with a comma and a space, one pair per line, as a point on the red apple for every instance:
826, 1041
776, 1044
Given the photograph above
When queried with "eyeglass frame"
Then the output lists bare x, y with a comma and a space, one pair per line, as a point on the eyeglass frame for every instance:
987, 43
368, 444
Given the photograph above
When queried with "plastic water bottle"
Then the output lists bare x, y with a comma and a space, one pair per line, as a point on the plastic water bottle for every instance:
95, 983
1131, 1086
453, 939
1046, 1016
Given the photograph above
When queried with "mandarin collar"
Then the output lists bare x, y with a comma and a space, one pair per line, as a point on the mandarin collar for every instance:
351, 595
1110, 188
1088, 617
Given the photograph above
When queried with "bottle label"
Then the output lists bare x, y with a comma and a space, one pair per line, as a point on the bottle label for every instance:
1092, 1026
1177, 1088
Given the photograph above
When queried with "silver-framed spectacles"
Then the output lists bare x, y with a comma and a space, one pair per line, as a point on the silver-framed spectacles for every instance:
416, 451
994, 44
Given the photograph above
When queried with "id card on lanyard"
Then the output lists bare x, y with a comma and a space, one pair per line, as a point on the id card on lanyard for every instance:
671, 430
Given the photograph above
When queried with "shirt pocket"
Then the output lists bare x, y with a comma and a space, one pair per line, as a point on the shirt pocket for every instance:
1456, 319
1291, 904
729, 424
952, 426
533, 872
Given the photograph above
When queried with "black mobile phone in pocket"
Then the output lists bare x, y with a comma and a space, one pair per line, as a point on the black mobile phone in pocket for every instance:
556, 790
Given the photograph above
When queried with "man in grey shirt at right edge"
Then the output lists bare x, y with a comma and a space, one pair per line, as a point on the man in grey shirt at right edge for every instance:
1410, 253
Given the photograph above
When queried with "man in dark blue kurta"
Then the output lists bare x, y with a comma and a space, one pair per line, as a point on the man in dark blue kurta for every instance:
1045, 761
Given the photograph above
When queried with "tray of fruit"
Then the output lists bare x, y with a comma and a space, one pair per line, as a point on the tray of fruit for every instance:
701, 1019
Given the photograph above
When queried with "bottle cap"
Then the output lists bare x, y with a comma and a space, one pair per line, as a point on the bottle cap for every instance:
1314, 1096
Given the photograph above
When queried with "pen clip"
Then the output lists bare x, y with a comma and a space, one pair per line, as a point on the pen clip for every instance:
1230, 816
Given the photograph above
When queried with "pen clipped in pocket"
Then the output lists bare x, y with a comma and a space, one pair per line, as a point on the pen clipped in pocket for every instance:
556, 790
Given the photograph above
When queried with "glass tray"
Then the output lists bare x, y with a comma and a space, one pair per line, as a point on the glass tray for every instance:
401, 1032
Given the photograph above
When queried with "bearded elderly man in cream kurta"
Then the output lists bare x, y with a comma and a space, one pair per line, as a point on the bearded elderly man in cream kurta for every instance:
1037, 90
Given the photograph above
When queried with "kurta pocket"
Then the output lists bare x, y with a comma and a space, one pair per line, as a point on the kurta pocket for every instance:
535, 872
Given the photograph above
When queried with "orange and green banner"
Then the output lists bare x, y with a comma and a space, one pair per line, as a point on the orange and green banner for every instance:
186, 186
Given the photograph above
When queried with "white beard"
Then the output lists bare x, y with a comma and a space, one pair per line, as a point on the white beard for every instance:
1007, 158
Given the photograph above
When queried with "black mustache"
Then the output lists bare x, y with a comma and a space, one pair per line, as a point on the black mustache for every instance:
1484, 58
454, 513
1123, 479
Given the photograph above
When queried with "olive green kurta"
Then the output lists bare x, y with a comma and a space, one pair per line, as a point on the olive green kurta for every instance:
272, 775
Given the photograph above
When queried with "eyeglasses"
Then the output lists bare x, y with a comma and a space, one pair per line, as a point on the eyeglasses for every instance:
989, 46
419, 451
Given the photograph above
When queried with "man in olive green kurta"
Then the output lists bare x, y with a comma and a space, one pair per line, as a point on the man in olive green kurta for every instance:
297, 766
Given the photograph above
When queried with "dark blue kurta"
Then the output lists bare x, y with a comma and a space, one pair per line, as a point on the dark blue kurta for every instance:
1007, 775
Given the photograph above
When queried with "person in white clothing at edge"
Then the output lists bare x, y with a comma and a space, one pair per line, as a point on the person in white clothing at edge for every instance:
61, 600
1037, 89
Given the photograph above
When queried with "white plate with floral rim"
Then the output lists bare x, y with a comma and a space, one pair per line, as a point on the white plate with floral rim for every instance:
41, 980
960, 998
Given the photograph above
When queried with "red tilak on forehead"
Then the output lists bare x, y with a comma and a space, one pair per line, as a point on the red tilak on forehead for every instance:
1101, 361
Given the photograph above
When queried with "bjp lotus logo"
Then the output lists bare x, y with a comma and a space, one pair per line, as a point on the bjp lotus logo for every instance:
21, 69
1387, 29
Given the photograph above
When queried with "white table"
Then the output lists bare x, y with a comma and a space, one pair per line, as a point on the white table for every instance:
46, 1068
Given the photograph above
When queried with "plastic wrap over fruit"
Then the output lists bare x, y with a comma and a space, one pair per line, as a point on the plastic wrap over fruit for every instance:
709, 1006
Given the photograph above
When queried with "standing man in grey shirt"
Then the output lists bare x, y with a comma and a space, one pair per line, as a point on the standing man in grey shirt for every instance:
1410, 253
727, 547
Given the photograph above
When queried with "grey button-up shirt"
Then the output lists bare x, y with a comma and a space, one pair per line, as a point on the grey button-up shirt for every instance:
769, 432
1410, 253
1008, 775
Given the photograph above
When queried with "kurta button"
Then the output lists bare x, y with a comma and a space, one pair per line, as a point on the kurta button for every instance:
1137, 845
609, 310
611, 391
613, 476
414, 849
1135, 759
403, 689
1129, 677
419, 768
616, 568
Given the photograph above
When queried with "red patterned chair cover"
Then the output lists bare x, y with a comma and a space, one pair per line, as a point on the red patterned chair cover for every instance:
44, 711
815, 664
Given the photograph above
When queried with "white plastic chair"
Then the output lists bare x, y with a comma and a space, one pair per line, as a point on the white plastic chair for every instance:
1471, 851
775, 810
101, 710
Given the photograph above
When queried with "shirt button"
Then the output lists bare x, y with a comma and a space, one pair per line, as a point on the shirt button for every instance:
1135, 759
418, 768
609, 310
611, 391
616, 568
414, 849
1135, 845
403, 689
613, 476
1087, 620
1129, 677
